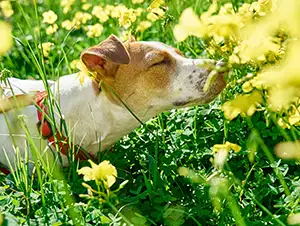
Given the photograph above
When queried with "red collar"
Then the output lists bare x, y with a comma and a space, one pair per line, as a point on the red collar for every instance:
44, 126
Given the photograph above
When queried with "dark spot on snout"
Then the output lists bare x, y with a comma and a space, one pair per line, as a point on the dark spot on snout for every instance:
200, 83
190, 77
194, 71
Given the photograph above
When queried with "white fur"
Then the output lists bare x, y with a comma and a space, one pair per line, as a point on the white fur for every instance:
94, 122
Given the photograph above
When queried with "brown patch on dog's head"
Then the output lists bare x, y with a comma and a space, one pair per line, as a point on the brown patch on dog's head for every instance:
138, 73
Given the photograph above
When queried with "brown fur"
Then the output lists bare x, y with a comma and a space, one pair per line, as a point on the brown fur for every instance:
139, 80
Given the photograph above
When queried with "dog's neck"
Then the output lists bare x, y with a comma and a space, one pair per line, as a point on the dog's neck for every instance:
95, 119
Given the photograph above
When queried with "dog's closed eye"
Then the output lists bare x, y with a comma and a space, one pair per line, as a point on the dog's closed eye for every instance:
157, 58
165, 60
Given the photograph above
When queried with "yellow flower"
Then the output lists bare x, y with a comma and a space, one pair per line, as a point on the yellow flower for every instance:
6, 8
156, 4
6, 37
83, 72
189, 24
247, 87
152, 17
137, 1
126, 18
143, 25
288, 150
100, 13
66, 4
74, 63
242, 104
256, 48
117, 11
138, 12
94, 30
49, 17
86, 6
294, 219
82, 17
124, 35
227, 146
234, 59
51, 29
108, 9
220, 152
282, 96
155, 14
46, 47
67, 24
104, 172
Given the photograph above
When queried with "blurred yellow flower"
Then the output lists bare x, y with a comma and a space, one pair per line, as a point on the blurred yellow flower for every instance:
51, 29
6, 8
152, 17
226, 9
155, 14
234, 59
94, 30
143, 25
189, 24
137, 1
83, 72
108, 8
126, 18
294, 219
118, 10
66, 4
247, 87
227, 146
242, 104
138, 12
124, 35
74, 63
220, 152
100, 13
86, 6
49, 17
46, 47
104, 172
82, 17
6, 37
156, 4
67, 24
288, 150
256, 48
281, 97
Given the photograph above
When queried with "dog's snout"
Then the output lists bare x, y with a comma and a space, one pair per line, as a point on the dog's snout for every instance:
220, 63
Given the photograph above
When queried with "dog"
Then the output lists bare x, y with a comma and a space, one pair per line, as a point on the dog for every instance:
138, 80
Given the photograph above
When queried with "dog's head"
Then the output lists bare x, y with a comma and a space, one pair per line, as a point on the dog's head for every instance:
150, 76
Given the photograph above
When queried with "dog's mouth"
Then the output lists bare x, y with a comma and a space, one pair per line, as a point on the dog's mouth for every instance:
205, 96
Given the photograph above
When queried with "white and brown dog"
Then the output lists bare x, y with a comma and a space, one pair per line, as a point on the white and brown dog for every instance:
149, 77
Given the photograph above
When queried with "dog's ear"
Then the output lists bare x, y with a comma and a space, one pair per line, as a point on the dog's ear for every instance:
105, 56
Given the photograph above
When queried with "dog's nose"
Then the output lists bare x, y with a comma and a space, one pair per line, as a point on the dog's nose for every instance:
220, 63
222, 67
217, 65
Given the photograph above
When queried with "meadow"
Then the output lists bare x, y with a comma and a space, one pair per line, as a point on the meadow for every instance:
234, 161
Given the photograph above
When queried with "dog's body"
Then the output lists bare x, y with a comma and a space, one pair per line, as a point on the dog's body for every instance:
149, 77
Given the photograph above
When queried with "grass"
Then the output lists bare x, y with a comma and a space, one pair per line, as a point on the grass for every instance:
253, 188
